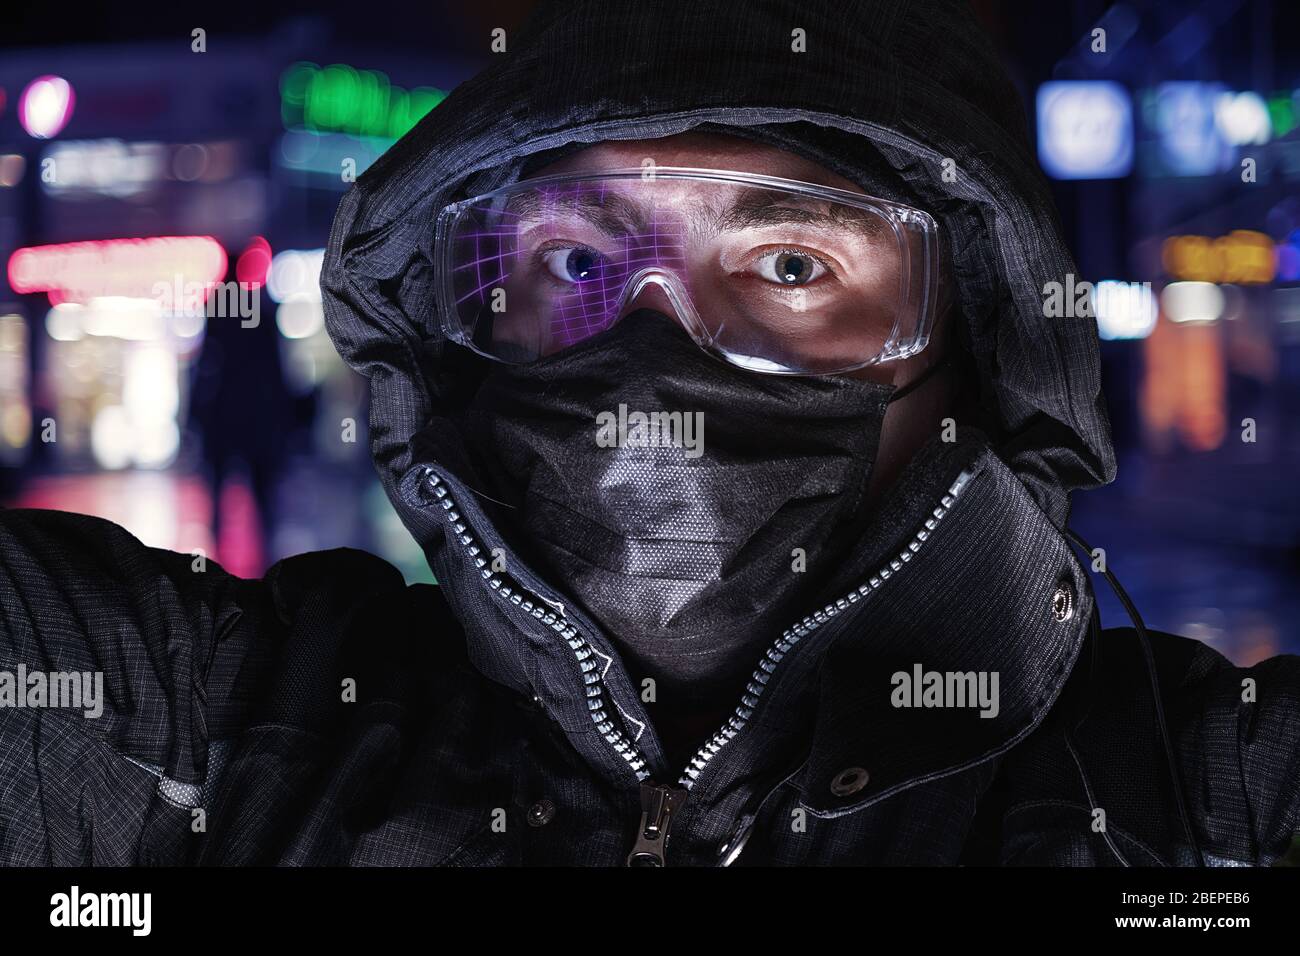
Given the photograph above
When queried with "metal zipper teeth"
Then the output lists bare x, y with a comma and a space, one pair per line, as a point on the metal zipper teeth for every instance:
511, 591
767, 666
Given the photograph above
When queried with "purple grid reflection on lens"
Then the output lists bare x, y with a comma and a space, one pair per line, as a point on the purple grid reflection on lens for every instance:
587, 306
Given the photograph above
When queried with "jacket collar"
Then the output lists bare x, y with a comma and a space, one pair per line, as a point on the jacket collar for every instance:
965, 575
992, 592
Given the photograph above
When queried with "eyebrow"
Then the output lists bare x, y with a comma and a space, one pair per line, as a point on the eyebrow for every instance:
610, 212
765, 208
617, 216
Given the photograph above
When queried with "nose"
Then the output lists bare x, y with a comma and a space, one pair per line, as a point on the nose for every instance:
663, 292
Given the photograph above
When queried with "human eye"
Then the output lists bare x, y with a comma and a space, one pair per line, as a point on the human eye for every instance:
571, 263
790, 267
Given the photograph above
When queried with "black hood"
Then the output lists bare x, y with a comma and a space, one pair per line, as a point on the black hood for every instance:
902, 93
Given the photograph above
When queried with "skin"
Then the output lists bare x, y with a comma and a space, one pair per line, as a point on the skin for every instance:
910, 421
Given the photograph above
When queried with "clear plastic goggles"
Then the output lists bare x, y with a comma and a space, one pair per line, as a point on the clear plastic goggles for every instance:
771, 274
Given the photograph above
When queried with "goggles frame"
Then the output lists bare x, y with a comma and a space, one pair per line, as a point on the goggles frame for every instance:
905, 221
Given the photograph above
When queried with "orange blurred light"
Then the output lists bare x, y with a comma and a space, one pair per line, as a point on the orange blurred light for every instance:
1242, 256
1184, 390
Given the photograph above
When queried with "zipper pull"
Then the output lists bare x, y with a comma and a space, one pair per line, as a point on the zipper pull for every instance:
659, 805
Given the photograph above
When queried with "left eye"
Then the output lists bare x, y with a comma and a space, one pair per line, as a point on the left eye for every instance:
790, 267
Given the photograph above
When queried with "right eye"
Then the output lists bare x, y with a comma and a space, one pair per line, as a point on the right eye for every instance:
574, 263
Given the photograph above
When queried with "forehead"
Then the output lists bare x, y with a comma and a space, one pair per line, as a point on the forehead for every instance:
665, 206
701, 150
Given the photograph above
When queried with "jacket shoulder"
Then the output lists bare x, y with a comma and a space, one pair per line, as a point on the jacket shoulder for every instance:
186, 659
85, 592
1094, 782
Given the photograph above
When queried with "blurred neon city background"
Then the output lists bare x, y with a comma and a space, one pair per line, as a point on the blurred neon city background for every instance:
140, 176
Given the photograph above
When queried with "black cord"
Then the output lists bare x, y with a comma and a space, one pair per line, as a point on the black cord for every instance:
1094, 635
1150, 659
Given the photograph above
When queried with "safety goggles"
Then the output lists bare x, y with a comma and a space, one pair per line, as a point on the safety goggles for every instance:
771, 274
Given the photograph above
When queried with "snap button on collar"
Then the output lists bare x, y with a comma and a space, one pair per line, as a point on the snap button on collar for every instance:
849, 781
1063, 602
541, 813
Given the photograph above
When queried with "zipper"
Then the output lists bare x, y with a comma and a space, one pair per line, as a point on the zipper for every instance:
776, 653
660, 804
537, 606
659, 807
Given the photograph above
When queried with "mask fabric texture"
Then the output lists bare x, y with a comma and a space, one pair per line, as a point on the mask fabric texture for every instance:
690, 534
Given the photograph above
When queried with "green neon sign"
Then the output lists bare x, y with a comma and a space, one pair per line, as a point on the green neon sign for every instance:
1281, 111
342, 99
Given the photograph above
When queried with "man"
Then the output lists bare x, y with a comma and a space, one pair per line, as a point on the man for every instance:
710, 368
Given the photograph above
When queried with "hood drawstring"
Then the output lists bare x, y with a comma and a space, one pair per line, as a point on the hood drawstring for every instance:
1149, 658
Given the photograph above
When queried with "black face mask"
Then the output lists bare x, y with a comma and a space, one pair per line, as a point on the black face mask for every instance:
693, 546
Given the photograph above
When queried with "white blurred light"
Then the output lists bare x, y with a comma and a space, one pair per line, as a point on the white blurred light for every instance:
1189, 141
1125, 310
149, 390
107, 167
111, 437
156, 447
295, 273
63, 322
1085, 129
299, 318
1242, 118
46, 106
142, 430
188, 325
124, 317
1192, 301
152, 509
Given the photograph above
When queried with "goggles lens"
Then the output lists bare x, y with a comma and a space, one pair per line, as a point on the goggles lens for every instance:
770, 274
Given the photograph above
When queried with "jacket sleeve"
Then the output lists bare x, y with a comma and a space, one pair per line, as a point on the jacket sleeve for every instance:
1262, 704
1235, 736
153, 663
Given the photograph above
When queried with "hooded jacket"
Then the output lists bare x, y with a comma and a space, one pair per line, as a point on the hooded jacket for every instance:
329, 714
